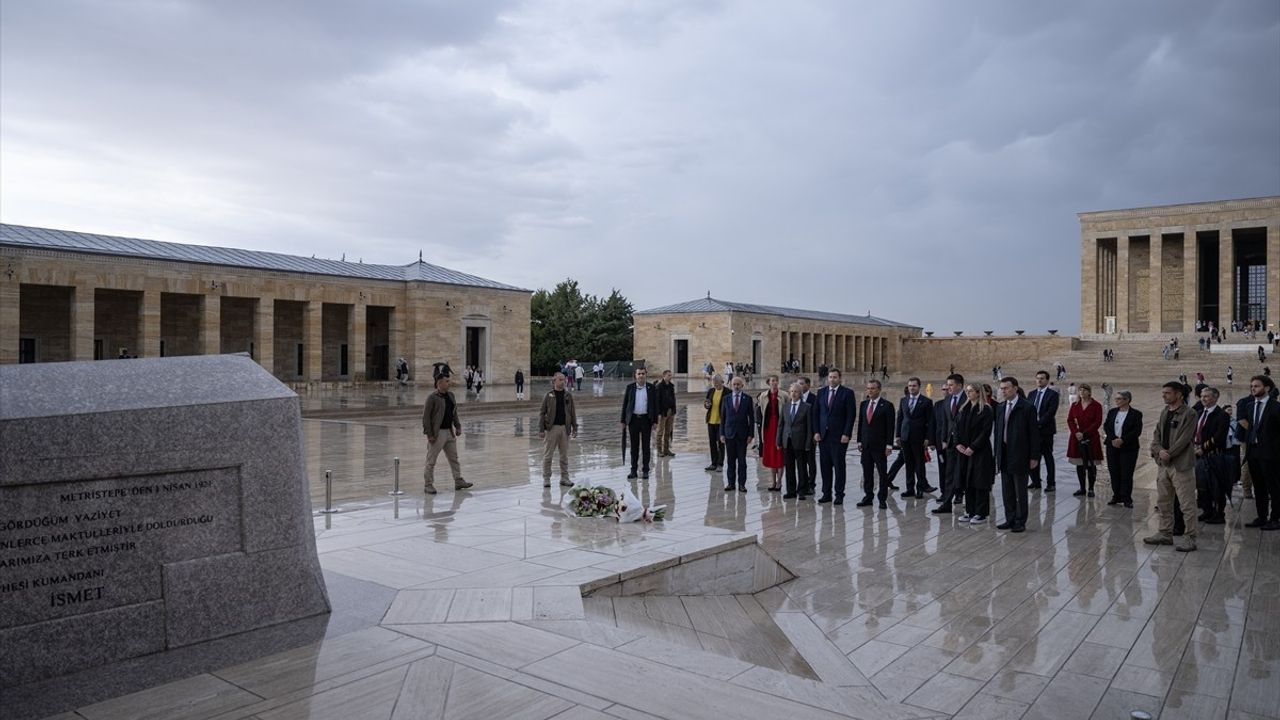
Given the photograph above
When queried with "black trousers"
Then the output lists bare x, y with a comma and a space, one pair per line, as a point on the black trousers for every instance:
874, 459
1013, 490
1266, 485
797, 469
641, 428
977, 501
735, 460
1044, 453
896, 465
811, 471
914, 450
832, 454
1120, 464
717, 450
950, 475
1212, 484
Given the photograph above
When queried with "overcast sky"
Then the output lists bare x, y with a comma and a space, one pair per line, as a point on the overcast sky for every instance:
827, 155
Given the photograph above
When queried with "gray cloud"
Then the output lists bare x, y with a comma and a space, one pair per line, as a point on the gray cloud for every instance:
819, 154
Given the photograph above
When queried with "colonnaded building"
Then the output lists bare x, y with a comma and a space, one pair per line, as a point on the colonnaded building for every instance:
78, 296
1161, 270
685, 336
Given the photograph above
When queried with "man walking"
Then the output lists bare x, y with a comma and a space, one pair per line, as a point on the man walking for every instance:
795, 437
837, 408
1261, 420
875, 442
441, 426
1015, 433
737, 426
666, 414
945, 415
578, 373
1045, 400
915, 420
557, 422
639, 417
1172, 449
711, 402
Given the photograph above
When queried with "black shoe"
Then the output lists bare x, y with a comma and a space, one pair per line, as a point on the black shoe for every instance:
1273, 525
1033, 486
1256, 522
775, 489
1090, 493
1004, 526
941, 509
864, 502
824, 499
892, 486
1077, 493
710, 468
908, 494
1018, 528
788, 496
728, 488
644, 475
840, 501
1128, 504
631, 475
926, 489
1114, 501
884, 505
1050, 488
801, 496
742, 488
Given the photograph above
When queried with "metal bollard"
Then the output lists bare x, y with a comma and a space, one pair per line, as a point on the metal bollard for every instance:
397, 490
328, 493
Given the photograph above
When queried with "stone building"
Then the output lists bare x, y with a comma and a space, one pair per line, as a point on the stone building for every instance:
78, 296
1159, 270
685, 336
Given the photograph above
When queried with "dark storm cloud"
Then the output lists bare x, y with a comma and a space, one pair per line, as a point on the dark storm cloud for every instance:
664, 148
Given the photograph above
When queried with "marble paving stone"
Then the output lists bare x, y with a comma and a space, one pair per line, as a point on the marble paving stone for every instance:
1181, 705
905, 675
628, 713
695, 661
855, 702
474, 695
1097, 660
1021, 687
304, 666
1257, 688
419, 606
1118, 631
1116, 703
480, 605
504, 643
824, 657
557, 603
1068, 697
587, 631
872, 656
989, 707
393, 572
1053, 645
424, 690
445, 556
981, 661
521, 603
945, 693
1211, 655
497, 576
197, 697
370, 697
578, 712
1199, 679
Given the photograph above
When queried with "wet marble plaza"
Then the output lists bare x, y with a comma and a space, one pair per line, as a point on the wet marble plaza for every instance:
471, 604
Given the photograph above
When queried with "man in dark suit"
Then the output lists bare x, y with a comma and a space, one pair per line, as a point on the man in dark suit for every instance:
711, 403
1016, 433
1123, 429
795, 437
946, 412
639, 417
1045, 400
1210, 441
837, 407
1261, 422
875, 442
737, 426
810, 397
666, 413
915, 426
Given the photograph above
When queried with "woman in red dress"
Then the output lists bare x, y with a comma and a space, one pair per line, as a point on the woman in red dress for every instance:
767, 408
1084, 448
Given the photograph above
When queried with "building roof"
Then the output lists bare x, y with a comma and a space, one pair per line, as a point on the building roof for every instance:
710, 304
46, 239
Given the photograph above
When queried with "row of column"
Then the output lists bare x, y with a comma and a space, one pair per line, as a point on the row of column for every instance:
850, 353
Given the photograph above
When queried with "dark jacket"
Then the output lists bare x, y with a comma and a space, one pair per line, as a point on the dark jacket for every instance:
1267, 435
666, 397
629, 403
740, 422
707, 400
1013, 452
1047, 417
433, 415
796, 434
835, 419
547, 415
1130, 434
519, 377
943, 422
1213, 436
973, 430
876, 435
915, 425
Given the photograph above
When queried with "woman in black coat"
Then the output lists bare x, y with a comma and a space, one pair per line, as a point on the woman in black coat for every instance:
1122, 447
973, 443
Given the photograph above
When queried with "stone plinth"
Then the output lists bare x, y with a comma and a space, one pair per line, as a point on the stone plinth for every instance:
146, 505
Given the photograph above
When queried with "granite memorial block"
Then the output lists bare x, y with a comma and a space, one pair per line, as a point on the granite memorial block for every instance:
147, 505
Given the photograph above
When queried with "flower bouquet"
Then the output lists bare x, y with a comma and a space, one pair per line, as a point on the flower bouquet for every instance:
589, 501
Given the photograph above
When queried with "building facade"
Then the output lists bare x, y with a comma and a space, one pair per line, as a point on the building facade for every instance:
78, 296
1174, 268
685, 336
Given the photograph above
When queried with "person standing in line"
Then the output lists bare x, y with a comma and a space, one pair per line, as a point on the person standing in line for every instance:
520, 384
1123, 428
1171, 447
1084, 447
711, 403
1261, 421
795, 438
915, 422
639, 417
1045, 400
737, 426
1016, 433
946, 412
974, 457
768, 407
837, 408
666, 414
875, 443
1210, 443
896, 466
442, 427
557, 422
578, 374
810, 398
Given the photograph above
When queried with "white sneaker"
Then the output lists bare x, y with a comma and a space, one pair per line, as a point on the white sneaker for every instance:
978, 520
966, 518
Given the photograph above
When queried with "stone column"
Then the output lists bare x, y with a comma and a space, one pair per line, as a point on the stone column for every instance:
149, 323
313, 340
1226, 277
210, 324
10, 314
1155, 283
1122, 283
356, 329
82, 322
264, 333
1273, 277
1088, 284
1190, 284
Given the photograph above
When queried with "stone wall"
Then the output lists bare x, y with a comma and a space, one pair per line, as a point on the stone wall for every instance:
968, 353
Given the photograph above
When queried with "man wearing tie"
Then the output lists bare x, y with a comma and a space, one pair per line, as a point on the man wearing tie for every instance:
945, 414
1045, 400
1210, 441
796, 440
639, 416
1015, 434
1261, 420
915, 422
836, 410
810, 397
737, 426
875, 442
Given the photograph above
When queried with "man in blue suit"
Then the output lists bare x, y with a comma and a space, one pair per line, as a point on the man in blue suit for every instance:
837, 410
737, 427
915, 427
1045, 400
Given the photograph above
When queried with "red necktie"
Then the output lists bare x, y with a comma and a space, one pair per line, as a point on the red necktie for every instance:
831, 396
871, 409
1200, 425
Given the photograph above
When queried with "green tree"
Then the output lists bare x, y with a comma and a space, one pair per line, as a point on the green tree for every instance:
568, 324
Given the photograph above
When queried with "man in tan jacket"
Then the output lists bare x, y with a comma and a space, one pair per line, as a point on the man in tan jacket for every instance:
557, 422
441, 426
1174, 453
